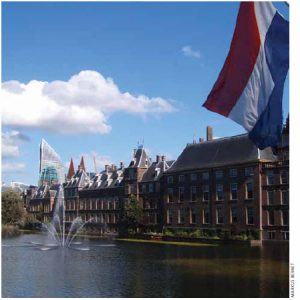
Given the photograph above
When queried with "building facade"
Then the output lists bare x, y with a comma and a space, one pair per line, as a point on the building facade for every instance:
224, 185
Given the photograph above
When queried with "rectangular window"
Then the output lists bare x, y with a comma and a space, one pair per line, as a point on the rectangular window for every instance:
233, 191
285, 197
157, 186
271, 235
131, 173
205, 176
271, 218
219, 174
220, 217
151, 188
181, 178
193, 176
170, 195
192, 216
181, 194
206, 192
285, 235
270, 178
206, 215
271, 197
284, 177
285, 217
193, 193
93, 204
169, 216
233, 172
219, 192
249, 190
234, 215
144, 188
250, 215
249, 171
170, 179
181, 216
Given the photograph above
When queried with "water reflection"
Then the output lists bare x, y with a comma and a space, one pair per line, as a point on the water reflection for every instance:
119, 269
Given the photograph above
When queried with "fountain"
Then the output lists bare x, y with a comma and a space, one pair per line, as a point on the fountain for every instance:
57, 227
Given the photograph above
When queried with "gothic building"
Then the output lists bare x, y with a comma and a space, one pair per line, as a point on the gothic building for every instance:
224, 184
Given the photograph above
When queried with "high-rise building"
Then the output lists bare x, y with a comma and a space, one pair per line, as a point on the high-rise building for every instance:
51, 167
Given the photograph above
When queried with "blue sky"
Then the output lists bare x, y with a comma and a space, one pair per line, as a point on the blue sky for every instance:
167, 51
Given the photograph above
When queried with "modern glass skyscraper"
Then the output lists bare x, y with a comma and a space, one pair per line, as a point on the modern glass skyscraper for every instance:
51, 167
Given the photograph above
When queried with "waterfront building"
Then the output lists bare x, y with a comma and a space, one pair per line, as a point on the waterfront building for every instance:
42, 202
51, 169
101, 199
215, 186
151, 194
74, 183
275, 192
226, 186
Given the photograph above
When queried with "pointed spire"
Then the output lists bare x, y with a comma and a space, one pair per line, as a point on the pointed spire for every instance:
71, 171
82, 166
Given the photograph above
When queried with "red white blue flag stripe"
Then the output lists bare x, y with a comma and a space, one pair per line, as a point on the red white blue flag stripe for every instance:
250, 85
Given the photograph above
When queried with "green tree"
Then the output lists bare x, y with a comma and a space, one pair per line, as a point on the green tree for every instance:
12, 207
133, 214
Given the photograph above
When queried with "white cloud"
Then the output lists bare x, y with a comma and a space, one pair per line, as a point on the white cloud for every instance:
81, 104
189, 51
10, 143
13, 167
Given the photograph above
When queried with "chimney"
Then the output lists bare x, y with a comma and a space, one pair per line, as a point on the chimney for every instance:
163, 158
209, 133
106, 167
158, 158
201, 140
121, 165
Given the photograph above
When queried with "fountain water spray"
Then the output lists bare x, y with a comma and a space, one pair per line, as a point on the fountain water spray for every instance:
57, 226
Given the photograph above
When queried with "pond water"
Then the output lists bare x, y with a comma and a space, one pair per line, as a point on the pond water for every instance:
120, 269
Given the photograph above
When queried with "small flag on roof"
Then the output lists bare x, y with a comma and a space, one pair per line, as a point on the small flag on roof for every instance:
250, 85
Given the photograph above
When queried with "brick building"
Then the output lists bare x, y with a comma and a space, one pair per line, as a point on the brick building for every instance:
215, 185
218, 185
151, 193
275, 192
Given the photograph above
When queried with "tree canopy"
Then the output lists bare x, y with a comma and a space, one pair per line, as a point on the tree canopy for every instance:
133, 213
12, 207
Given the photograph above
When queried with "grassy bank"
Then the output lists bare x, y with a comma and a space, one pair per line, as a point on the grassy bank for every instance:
132, 240
10, 231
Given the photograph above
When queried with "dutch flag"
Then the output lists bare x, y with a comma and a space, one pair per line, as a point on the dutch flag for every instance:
250, 85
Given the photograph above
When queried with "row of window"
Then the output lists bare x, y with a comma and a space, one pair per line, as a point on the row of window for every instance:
284, 217
94, 204
95, 218
194, 192
191, 215
284, 177
150, 187
284, 197
219, 174
70, 192
272, 235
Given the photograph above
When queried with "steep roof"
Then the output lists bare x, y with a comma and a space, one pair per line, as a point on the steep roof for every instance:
156, 170
82, 165
71, 171
109, 178
79, 179
219, 152
140, 159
